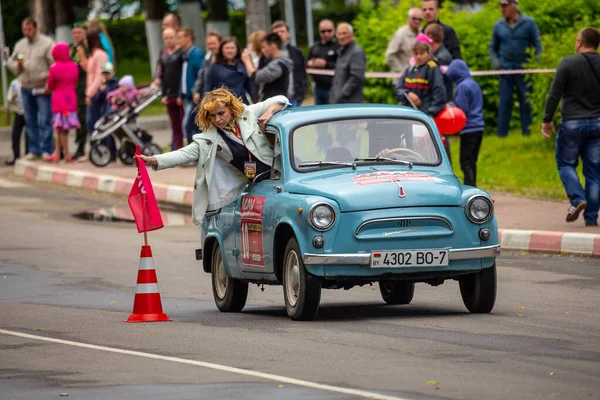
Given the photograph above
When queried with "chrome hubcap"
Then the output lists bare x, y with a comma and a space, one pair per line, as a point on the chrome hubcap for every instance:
220, 277
292, 278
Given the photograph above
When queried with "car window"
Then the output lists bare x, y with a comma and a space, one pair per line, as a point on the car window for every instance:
348, 140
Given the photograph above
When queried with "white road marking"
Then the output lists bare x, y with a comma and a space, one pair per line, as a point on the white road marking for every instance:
219, 367
5, 183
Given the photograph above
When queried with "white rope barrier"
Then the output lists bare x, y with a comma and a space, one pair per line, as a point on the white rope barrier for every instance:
331, 72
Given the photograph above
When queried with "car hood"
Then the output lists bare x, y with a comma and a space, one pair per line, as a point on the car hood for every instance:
370, 190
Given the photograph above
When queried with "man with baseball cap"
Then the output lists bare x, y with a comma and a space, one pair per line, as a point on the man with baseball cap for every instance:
513, 35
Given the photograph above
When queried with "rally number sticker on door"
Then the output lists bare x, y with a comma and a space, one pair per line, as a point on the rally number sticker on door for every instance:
251, 214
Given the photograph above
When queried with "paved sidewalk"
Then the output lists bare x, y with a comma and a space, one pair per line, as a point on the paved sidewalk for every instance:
526, 224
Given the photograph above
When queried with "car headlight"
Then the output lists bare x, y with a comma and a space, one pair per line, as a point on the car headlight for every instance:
479, 209
321, 216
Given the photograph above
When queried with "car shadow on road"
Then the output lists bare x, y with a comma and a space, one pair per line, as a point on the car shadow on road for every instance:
354, 311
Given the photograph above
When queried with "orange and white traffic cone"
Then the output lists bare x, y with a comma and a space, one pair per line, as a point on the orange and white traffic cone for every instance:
147, 306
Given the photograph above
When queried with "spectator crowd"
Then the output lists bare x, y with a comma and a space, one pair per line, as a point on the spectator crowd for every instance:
60, 89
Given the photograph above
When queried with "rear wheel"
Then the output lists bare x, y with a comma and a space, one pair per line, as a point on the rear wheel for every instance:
100, 155
126, 152
230, 294
397, 292
478, 290
301, 290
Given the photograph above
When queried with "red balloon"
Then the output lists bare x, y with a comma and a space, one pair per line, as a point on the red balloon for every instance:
450, 120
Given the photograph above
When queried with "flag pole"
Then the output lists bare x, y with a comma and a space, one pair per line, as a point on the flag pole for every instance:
145, 238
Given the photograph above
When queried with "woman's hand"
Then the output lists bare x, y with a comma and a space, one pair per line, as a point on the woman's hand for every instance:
150, 161
262, 121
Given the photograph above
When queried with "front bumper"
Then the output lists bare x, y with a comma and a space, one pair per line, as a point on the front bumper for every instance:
365, 258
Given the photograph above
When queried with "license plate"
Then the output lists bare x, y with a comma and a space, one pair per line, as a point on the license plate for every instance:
409, 258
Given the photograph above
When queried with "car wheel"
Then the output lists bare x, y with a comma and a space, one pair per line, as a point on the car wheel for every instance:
230, 294
301, 290
397, 292
478, 290
100, 155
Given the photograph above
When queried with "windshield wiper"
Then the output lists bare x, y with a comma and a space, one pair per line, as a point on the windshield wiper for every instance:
410, 164
322, 163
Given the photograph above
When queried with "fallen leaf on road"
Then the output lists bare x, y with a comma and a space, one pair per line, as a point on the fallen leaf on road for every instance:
45, 215
280, 386
433, 383
114, 302
551, 373
523, 307
149, 334
519, 314
523, 279
64, 394
523, 253
36, 329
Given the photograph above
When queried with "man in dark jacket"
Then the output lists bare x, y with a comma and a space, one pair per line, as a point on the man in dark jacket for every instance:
349, 79
431, 9
213, 42
170, 63
469, 98
577, 85
273, 77
513, 35
323, 55
300, 79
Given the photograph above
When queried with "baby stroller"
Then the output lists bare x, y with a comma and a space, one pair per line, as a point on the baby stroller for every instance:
122, 125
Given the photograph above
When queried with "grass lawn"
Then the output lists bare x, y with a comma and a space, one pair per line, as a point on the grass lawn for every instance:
516, 164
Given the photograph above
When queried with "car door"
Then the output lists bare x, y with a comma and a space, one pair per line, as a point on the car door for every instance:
255, 219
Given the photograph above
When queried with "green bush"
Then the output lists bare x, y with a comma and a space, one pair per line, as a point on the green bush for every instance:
128, 37
558, 22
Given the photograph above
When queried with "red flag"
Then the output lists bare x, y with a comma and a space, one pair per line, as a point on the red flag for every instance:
142, 201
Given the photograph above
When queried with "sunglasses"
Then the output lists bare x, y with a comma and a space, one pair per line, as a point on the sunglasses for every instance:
326, 31
416, 19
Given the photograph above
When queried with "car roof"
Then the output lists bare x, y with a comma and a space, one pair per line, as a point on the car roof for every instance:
292, 117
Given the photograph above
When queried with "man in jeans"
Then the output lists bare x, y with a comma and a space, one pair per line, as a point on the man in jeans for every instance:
513, 35
30, 62
577, 85
193, 58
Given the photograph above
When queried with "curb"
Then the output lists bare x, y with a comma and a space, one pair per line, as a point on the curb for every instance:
150, 123
169, 194
584, 244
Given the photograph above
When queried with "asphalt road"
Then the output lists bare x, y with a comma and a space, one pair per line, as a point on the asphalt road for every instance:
73, 280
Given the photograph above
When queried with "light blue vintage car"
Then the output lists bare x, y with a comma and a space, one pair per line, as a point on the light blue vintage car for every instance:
361, 194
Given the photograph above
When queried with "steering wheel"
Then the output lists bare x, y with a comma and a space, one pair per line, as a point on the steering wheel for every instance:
401, 150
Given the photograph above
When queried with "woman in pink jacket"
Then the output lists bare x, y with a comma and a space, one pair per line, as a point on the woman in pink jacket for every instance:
62, 80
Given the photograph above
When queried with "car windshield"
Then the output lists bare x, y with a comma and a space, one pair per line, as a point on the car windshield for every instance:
378, 140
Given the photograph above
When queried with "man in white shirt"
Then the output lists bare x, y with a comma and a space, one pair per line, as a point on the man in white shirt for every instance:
399, 50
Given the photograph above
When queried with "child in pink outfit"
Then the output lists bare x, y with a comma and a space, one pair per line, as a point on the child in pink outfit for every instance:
62, 80
126, 94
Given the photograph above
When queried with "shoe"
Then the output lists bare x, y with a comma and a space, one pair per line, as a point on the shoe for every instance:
83, 158
574, 211
10, 162
591, 223
68, 159
32, 157
54, 158
79, 153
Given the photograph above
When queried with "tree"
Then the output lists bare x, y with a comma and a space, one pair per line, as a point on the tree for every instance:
218, 18
258, 16
155, 10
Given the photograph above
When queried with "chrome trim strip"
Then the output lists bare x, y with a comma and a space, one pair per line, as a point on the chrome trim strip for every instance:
475, 252
337, 259
365, 258
374, 221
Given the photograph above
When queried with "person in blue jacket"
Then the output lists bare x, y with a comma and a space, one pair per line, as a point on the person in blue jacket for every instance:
513, 35
469, 98
229, 71
193, 58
